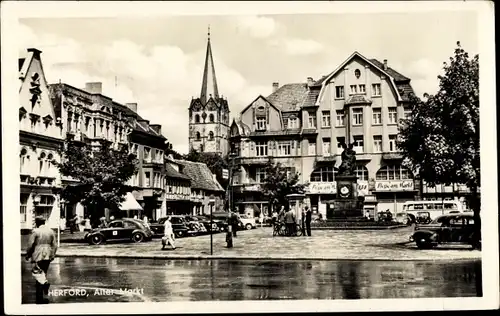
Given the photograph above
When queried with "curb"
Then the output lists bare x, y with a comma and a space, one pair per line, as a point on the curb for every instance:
254, 258
358, 227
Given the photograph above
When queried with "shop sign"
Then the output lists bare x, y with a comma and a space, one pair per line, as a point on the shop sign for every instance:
254, 187
322, 187
394, 185
363, 188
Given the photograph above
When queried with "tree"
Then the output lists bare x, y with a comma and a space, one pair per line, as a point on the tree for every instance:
100, 174
216, 163
441, 139
279, 182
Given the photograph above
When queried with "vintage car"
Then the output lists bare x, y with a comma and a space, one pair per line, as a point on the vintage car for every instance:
179, 226
217, 225
449, 228
120, 229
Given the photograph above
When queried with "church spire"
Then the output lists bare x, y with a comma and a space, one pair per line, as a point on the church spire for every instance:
209, 84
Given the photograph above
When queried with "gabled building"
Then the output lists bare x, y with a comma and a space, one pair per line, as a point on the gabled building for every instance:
209, 113
89, 116
177, 189
303, 125
206, 191
40, 137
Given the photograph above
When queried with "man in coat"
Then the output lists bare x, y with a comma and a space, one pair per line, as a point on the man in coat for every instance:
42, 248
308, 220
290, 222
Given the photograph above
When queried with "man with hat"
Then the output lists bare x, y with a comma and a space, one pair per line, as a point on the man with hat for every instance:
41, 251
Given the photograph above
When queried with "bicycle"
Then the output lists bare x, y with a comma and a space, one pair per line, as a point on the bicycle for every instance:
279, 229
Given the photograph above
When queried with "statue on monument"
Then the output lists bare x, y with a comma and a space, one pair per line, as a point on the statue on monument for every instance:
348, 156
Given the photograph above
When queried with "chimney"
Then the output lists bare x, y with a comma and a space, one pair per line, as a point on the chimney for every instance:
93, 87
385, 64
156, 128
310, 81
276, 85
132, 106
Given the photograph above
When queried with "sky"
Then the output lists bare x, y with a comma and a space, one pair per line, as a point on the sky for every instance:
157, 61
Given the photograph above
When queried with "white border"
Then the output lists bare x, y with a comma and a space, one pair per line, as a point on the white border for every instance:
11, 11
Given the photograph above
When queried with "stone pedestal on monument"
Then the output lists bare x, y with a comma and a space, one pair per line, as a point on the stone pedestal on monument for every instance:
347, 204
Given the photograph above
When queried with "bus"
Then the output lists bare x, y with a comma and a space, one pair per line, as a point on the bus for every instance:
426, 211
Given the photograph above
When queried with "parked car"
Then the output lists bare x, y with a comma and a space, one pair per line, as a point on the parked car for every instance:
217, 224
247, 221
120, 229
403, 218
223, 217
179, 227
449, 228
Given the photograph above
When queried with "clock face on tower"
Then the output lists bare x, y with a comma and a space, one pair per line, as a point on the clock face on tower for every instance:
344, 190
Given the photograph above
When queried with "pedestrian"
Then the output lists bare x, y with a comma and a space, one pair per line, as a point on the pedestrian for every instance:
274, 217
42, 248
303, 222
169, 237
308, 220
261, 218
281, 215
234, 223
290, 222
73, 222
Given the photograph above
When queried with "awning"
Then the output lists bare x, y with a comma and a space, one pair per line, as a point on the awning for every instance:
130, 203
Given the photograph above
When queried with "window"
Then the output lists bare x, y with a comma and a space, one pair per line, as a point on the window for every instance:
362, 88
376, 89
312, 119
393, 115
261, 148
211, 135
261, 123
260, 175
312, 148
147, 153
340, 118
117, 224
42, 162
340, 141
323, 174
361, 173
358, 144
354, 89
326, 146
198, 136
407, 114
44, 208
284, 148
357, 73
392, 142
87, 123
147, 176
325, 119
377, 143
24, 206
211, 118
377, 116
357, 116
393, 172
339, 92
24, 160
197, 118
293, 122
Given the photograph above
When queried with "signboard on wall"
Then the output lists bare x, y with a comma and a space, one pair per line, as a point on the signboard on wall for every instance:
362, 188
394, 185
323, 187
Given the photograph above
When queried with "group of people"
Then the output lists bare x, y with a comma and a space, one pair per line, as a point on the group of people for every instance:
288, 218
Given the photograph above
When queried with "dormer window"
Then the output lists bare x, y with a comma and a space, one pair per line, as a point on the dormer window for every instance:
293, 122
47, 120
261, 123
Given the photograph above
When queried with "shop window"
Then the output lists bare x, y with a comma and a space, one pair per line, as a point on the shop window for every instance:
393, 172
44, 207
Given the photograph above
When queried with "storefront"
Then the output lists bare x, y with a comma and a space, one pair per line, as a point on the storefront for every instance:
392, 194
319, 192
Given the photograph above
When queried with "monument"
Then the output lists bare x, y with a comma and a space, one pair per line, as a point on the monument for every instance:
347, 204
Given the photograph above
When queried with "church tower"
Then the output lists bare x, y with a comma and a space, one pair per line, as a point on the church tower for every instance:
209, 114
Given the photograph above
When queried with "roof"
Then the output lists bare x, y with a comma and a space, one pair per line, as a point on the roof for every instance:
289, 97
358, 99
201, 177
405, 90
243, 129
393, 73
170, 172
311, 98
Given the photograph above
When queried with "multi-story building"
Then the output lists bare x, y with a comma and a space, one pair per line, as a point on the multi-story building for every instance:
206, 192
177, 188
209, 114
40, 137
92, 117
303, 126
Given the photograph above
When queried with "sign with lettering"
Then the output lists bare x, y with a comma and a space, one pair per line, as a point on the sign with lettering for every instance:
394, 185
254, 187
362, 187
323, 187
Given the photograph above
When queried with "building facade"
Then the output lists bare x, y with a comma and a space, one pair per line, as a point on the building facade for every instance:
303, 126
209, 114
177, 189
40, 137
206, 192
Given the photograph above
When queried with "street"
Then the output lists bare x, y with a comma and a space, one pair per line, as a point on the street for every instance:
143, 280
